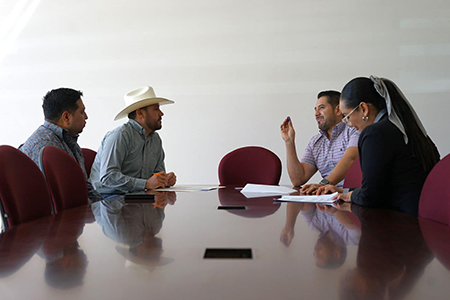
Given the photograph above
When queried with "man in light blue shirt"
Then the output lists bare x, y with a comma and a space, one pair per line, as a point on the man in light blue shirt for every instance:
131, 157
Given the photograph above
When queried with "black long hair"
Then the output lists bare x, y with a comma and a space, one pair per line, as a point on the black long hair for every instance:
362, 89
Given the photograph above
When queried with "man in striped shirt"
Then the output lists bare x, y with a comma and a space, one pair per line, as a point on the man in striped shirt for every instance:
331, 151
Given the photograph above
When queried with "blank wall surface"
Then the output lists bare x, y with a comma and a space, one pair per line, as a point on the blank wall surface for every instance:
235, 69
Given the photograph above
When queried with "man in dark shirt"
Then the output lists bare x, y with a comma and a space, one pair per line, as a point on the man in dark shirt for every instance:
65, 118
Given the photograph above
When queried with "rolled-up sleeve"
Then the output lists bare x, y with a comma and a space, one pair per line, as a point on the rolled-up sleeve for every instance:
354, 137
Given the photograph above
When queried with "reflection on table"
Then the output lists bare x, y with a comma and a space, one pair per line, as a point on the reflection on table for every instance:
134, 226
336, 229
116, 249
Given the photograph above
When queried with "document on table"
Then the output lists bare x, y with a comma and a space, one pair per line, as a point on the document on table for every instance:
189, 188
325, 199
262, 190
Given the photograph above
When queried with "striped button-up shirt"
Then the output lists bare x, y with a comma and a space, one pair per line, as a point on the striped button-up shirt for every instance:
324, 154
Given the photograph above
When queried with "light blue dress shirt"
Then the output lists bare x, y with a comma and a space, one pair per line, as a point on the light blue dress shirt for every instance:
126, 159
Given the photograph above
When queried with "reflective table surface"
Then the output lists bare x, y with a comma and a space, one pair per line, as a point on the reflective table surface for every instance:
154, 249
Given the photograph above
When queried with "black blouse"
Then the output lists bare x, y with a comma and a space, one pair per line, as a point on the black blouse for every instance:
392, 176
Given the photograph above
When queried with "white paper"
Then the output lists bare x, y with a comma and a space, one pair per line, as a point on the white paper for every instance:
326, 199
259, 195
190, 188
262, 190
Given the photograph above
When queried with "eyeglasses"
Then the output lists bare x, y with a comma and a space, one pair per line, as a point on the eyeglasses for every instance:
345, 119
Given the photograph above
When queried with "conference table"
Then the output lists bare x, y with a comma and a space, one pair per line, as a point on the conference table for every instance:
221, 245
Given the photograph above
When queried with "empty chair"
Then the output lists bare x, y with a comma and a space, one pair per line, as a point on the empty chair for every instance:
353, 178
436, 236
65, 178
89, 157
23, 192
250, 165
434, 201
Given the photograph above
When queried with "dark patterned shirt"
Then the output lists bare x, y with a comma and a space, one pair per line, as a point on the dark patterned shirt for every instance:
51, 134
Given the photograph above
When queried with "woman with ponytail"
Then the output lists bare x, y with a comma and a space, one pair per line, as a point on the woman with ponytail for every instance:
395, 151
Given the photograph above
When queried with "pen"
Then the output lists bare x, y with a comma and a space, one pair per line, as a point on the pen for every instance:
155, 205
288, 119
157, 174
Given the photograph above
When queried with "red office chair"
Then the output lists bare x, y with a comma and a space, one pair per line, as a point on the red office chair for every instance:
23, 193
89, 157
436, 236
353, 178
65, 178
250, 165
434, 201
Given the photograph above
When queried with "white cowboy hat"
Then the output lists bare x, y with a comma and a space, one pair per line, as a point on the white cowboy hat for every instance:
140, 98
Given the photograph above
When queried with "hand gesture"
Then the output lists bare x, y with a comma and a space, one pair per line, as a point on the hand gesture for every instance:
311, 188
328, 189
156, 181
287, 130
171, 179
344, 197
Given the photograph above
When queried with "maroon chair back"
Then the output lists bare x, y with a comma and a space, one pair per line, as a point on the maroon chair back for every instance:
250, 165
65, 179
353, 178
436, 236
23, 192
434, 201
89, 157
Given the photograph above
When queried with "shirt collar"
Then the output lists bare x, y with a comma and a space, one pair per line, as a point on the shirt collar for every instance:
380, 114
337, 129
60, 132
136, 126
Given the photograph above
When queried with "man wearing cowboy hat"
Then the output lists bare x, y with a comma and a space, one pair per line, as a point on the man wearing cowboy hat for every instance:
131, 157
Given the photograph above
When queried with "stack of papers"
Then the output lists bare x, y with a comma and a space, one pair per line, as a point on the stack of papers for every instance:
186, 188
326, 199
261, 190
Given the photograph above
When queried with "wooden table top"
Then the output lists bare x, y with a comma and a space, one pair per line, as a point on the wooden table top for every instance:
119, 250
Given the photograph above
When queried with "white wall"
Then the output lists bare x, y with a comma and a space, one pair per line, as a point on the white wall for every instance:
236, 69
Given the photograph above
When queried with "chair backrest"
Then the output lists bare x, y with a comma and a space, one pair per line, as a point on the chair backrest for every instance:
353, 178
434, 201
250, 165
23, 192
436, 236
89, 157
65, 178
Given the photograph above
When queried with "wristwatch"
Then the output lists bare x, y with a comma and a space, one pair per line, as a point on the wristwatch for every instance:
325, 181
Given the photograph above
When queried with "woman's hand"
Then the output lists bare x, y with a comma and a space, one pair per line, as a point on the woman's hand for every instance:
344, 197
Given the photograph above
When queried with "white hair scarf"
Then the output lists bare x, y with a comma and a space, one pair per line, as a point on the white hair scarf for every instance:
381, 88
